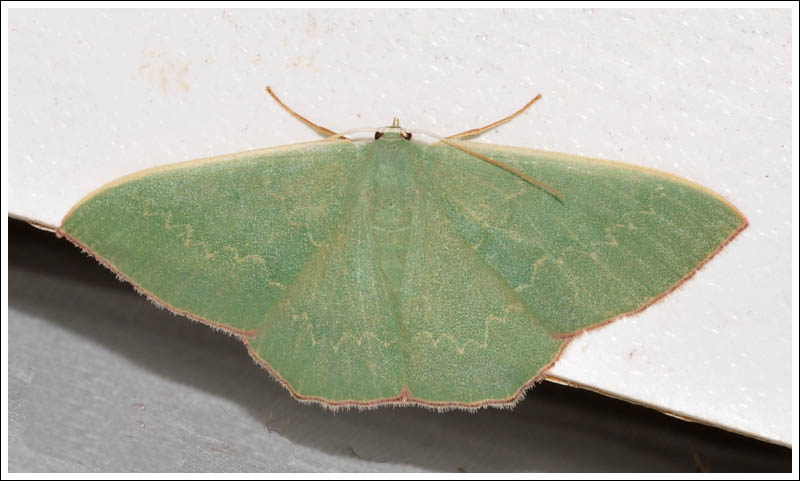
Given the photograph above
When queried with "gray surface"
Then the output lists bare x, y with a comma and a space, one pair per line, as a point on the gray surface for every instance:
102, 380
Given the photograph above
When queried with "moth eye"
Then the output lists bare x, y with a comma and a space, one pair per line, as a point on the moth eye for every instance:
407, 135
378, 135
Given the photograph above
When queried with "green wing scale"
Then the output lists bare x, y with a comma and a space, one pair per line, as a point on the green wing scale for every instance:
395, 272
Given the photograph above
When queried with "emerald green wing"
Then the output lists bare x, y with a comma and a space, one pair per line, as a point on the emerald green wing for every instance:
260, 244
396, 273
622, 238
471, 338
201, 235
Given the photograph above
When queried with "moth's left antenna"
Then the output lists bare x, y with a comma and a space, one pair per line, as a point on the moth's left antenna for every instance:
320, 129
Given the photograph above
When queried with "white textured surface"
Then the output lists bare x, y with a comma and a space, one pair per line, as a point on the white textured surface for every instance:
703, 94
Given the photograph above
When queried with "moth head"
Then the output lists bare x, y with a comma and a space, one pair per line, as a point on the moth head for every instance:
393, 131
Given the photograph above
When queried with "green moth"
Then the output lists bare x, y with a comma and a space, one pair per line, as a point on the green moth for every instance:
449, 274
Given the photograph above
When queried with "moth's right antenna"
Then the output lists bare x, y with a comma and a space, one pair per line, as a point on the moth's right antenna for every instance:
480, 130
